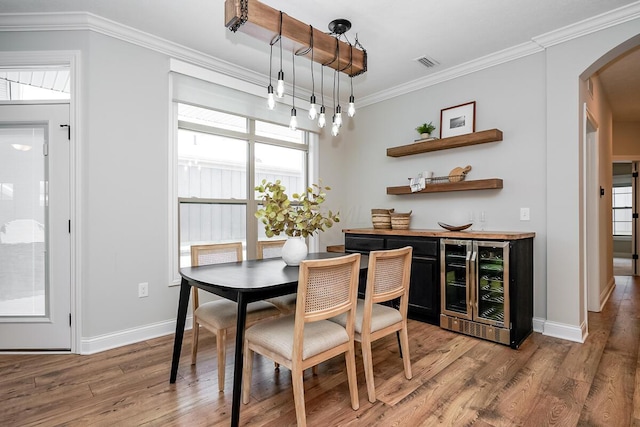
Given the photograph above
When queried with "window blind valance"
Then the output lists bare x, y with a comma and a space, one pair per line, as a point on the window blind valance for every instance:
192, 90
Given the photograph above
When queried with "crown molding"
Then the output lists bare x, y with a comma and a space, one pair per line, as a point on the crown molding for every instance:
476, 65
591, 25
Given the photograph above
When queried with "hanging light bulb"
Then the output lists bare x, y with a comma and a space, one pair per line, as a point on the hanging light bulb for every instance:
271, 100
335, 129
338, 117
351, 111
293, 123
280, 84
322, 119
313, 111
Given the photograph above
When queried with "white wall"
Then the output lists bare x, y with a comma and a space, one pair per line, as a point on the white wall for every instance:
125, 187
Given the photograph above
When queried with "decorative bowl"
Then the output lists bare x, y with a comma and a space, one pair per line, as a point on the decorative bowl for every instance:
454, 227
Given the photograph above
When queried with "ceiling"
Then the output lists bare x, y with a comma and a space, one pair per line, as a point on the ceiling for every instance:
452, 32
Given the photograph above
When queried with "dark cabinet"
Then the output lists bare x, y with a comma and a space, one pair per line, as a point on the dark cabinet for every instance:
424, 291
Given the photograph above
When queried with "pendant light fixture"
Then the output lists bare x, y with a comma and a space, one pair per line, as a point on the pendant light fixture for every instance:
317, 46
351, 111
271, 100
313, 109
280, 84
322, 118
337, 115
293, 123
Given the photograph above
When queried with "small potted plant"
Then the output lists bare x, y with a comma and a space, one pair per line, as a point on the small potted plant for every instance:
298, 217
425, 129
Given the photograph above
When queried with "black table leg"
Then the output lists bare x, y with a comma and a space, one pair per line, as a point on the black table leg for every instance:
237, 366
183, 304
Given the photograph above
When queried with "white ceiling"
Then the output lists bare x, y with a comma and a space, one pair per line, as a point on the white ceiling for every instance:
453, 32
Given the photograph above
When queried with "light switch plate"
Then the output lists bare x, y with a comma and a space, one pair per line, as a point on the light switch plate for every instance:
525, 214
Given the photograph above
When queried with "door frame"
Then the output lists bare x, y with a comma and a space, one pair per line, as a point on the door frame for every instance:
591, 222
71, 59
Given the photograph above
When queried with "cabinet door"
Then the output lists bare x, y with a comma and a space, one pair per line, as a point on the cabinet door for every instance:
455, 269
492, 272
424, 292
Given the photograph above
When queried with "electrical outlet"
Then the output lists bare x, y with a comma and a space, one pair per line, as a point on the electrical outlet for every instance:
525, 214
143, 290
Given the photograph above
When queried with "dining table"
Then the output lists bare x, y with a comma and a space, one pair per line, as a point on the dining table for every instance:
243, 282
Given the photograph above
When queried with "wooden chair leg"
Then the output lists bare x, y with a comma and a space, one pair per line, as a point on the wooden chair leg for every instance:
298, 396
221, 344
350, 359
404, 345
247, 369
194, 342
367, 359
314, 370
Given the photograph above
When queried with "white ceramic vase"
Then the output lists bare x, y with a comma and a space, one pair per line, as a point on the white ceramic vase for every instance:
294, 251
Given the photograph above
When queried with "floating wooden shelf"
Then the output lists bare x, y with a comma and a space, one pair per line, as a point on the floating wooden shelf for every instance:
482, 137
479, 184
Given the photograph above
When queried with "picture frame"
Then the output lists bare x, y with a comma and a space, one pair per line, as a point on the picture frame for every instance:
458, 120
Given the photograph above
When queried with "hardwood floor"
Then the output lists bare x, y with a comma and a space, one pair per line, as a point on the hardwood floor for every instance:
457, 380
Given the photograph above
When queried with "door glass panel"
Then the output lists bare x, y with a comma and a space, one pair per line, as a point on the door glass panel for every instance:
491, 297
23, 214
456, 278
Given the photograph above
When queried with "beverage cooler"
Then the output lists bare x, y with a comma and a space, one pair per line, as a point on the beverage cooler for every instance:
484, 291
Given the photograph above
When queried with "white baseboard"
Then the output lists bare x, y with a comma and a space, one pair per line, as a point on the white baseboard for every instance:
564, 331
606, 292
538, 324
130, 336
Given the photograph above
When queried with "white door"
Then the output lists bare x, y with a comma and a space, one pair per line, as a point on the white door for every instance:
35, 266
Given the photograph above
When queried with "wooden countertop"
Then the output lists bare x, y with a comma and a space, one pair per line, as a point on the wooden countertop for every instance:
465, 234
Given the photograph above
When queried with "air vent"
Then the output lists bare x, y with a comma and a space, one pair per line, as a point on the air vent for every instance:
427, 62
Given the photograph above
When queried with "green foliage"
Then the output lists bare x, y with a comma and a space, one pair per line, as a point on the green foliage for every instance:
298, 216
426, 128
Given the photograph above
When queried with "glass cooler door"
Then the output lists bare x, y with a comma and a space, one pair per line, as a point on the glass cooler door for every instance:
456, 272
492, 273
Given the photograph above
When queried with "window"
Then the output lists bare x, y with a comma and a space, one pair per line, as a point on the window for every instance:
35, 84
218, 154
622, 214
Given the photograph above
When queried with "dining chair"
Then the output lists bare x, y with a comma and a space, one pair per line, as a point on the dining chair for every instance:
388, 276
220, 315
326, 288
273, 249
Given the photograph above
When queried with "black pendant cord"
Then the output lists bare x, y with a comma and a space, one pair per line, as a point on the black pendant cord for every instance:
322, 84
338, 67
270, 63
280, 39
313, 83
293, 64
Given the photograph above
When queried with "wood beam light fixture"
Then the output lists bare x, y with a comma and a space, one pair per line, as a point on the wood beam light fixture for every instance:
332, 49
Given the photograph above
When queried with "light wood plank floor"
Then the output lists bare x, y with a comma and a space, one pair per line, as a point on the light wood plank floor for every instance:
457, 380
